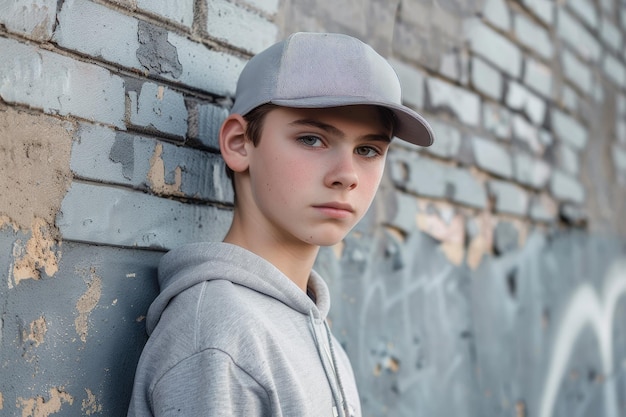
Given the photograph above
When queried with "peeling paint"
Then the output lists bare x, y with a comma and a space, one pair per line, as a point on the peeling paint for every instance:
39, 407
90, 404
85, 305
38, 329
38, 254
5, 221
451, 232
156, 175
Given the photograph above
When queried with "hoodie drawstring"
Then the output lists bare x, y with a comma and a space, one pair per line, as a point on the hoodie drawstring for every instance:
339, 396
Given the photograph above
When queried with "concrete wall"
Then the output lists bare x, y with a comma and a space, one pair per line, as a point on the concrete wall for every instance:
488, 278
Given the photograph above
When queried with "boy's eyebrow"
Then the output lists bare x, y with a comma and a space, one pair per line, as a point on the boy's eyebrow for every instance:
334, 131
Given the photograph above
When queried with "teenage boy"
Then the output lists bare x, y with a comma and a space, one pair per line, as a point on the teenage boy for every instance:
239, 328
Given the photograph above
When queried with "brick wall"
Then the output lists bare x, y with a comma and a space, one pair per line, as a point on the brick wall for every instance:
455, 294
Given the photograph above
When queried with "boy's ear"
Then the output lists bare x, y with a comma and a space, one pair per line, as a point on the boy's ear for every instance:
233, 142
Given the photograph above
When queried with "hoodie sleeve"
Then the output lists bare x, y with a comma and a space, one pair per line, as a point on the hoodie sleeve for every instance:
209, 384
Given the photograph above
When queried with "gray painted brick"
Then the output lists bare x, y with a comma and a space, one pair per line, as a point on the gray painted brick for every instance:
577, 36
520, 98
586, 11
538, 76
577, 72
497, 120
611, 35
568, 129
59, 84
239, 27
527, 133
403, 216
607, 6
205, 121
267, 6
103, 155
486, 79
621, 104
615, 70
448, 140
159, 109
98, 31
566, 188
209, 70
533, 36
508, 197
530, 171
412, 81
492, 157
418, 175
497, 13
465, 189
112, 216
32, 18
618, 154
505, 237
567, 159
464, 104
494, 47
178, 11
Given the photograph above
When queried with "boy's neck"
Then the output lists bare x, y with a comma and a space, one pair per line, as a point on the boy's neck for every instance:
295, 261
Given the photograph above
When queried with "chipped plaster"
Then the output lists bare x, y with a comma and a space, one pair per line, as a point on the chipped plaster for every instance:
85, 305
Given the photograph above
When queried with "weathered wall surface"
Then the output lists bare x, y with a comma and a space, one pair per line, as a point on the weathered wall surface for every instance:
488, 278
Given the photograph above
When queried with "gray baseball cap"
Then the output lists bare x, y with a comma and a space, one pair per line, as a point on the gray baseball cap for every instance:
317, 70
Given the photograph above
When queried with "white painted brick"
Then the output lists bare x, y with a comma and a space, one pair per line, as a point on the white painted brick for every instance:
213, 71
566, 188
569, 98
465, 189
533, 36
492, 46
543, 208
486, 79
32, 18
530, 171
98, 31
412, 82
543, 9
239, 27
416, 174
464, 104
586, 10
498, 14
179, 11
267, 6
527, 133
611, 35
497, 120
577, 36
568, 129
492, 157
619, 158
59, 84
538, 76
114, 216
577, 72
448, 140
614, 69
520, 98
158, 108
567, 159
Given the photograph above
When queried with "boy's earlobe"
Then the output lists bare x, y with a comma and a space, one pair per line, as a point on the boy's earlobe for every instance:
233, 142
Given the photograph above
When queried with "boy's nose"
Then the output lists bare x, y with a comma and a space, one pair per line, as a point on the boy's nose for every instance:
342, 173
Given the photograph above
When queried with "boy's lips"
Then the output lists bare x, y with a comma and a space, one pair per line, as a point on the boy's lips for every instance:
335, 209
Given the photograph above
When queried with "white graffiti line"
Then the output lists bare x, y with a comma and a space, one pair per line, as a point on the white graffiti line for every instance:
585, 308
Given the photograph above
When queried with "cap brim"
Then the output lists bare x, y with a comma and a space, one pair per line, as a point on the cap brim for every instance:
410, 125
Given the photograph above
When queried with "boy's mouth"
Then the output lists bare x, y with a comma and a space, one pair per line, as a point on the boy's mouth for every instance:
335, 209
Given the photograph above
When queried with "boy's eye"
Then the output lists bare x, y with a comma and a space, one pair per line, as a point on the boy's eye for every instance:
310, 141
367, 151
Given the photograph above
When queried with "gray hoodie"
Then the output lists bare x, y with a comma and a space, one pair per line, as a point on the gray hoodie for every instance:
230, 335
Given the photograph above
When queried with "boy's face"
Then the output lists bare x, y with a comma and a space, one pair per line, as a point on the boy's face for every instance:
314, 172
